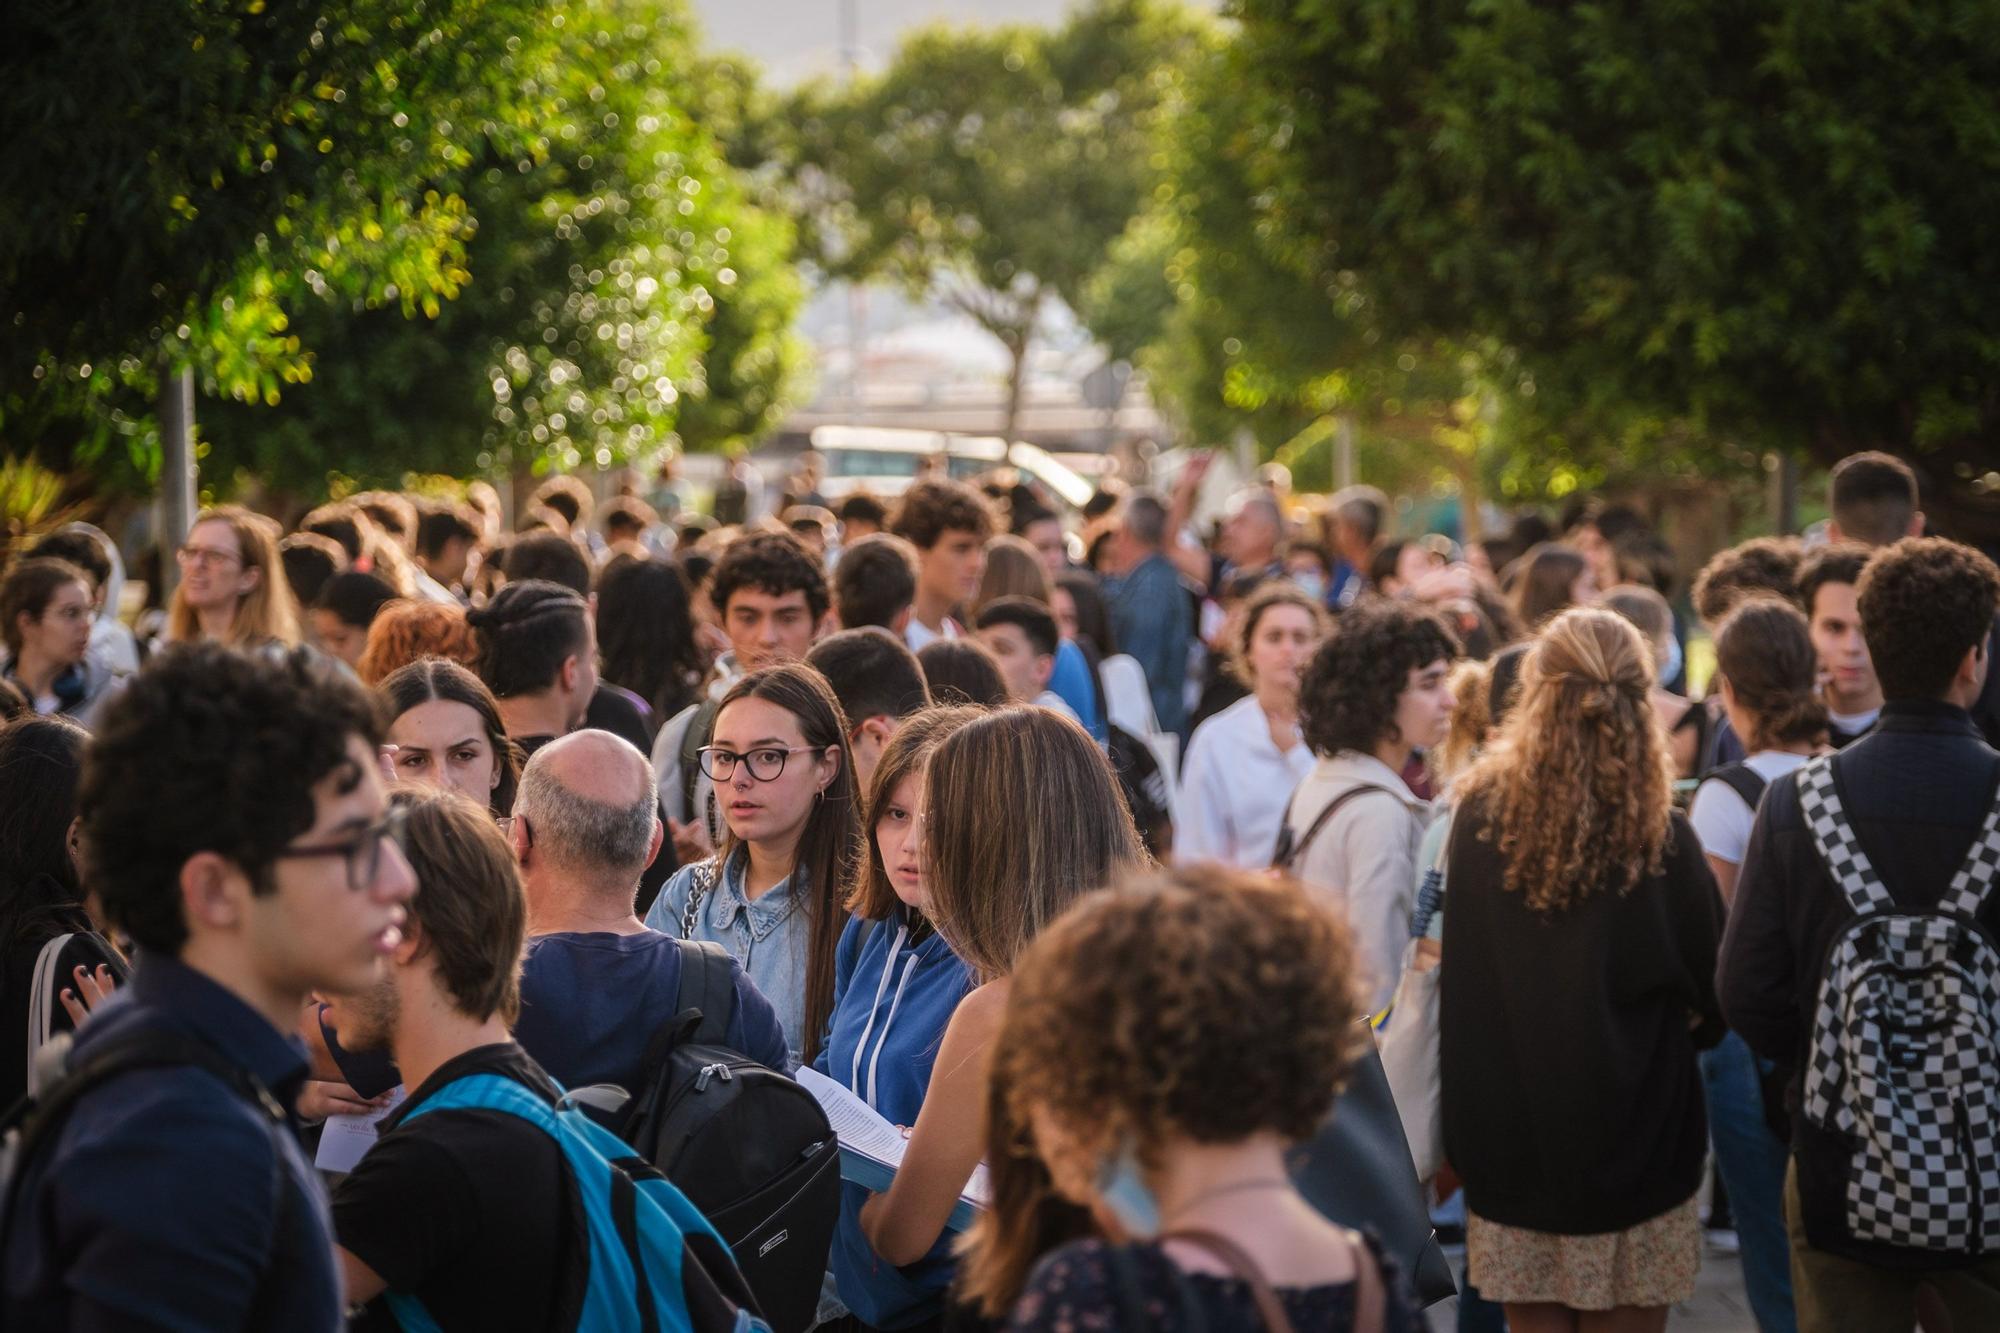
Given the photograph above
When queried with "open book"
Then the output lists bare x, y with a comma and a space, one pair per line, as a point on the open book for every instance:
871, 1149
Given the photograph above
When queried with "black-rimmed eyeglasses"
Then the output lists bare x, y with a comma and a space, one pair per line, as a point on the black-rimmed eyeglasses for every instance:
363, 851
765, 763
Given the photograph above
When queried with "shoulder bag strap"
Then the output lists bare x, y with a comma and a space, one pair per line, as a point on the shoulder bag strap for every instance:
1288, 856
41, 1002
1269, 1307
1974, 879
1839, 849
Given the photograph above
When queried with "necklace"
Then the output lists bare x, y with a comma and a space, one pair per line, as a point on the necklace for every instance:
1234, 1187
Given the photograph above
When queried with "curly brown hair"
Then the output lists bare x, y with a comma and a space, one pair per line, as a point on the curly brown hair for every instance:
1199, 1002
773, 563
1762, 564
1578, 790
1924, 603
1347, 698
929, 509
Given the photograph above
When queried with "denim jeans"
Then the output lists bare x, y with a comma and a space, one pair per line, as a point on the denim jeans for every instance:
1752, 1160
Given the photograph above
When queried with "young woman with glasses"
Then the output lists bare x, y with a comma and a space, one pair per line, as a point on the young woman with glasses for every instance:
771, 895
233, 587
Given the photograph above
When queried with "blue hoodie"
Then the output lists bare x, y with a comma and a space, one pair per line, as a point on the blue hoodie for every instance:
891, 1001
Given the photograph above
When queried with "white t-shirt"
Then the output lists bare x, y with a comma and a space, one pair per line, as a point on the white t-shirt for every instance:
1050, 699
1720, 818
1853, 724
918, 635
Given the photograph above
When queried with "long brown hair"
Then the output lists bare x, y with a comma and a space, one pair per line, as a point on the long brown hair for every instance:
830, 845
1023, 816
1545, 582
1764, 650
262, 614
1578, 791
872, 896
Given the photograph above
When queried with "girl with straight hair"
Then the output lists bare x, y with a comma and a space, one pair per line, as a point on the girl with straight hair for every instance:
896, 984
445, 725
1021, 817
1580, 981
791, 838
233, 587
1551, 579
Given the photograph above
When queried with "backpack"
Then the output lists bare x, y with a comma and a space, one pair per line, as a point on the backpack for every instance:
31, 1125
748, 1146
656, 1265
1742, 779
700, 730
1904, 1059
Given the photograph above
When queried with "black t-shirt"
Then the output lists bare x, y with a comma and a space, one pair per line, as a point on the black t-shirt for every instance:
470, 1211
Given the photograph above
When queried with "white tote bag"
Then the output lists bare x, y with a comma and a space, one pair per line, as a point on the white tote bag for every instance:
1407, 1034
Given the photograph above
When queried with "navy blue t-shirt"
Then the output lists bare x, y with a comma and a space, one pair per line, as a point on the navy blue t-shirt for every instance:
590, 1003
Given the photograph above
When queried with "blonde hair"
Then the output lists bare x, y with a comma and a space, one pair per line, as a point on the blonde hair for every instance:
872, 897
1471, 719
1578, 791
1242, 631
265, 612
1023, 816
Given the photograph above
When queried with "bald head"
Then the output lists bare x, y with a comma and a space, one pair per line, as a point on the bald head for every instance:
590, 805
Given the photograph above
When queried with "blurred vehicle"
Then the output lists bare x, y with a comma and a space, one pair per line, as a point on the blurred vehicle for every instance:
883, 461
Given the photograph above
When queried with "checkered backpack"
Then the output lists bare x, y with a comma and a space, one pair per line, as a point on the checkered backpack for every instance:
1905, 1054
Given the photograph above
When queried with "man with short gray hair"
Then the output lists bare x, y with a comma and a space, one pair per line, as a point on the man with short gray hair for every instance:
595, 982
1152, 614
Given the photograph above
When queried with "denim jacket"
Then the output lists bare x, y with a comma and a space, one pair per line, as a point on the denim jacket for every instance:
767, 936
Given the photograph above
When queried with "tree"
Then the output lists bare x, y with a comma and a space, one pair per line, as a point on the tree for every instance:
619, 285
992, 168
1762, 224
175, 176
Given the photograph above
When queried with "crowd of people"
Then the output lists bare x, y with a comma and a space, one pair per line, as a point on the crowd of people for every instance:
1085, 847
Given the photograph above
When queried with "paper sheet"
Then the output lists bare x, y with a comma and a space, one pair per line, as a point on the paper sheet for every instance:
346, 1139
871, 1149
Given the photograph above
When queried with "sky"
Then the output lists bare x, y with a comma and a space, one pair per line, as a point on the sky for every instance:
797, 39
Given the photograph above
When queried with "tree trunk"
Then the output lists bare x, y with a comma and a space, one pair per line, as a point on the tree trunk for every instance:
1017, 375
177, 468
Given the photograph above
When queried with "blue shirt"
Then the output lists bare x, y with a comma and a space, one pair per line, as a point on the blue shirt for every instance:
1072, 684
1154, 622
590, 1003
891, 1001
766, 936
158, 1203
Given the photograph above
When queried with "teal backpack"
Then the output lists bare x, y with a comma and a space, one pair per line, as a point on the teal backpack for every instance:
655, 1264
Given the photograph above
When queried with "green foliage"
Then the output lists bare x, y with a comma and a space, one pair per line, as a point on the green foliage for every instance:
1763, 223
574, 245
992, 167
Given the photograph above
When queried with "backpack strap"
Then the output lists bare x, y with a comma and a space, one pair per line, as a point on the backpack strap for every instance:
1974, 880
1290, 850
707, 986
1839, 849
1742, 779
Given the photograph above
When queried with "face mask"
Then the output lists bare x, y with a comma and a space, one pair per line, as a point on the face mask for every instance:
1122, 1187
1670, 665
1312, 585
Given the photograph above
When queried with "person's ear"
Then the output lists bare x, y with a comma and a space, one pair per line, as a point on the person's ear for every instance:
252, 576
522, 838
1916, 524
410, 945
213, 890
571, 668
73, 840
653, 844
899, 624
833, 757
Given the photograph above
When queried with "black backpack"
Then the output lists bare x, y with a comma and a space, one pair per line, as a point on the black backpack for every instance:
748, 1146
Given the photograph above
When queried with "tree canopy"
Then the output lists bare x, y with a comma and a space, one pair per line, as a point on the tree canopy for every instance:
1762, 223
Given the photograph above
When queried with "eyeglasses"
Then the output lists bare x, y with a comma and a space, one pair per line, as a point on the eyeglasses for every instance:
363, 851
765, 765
205, 556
